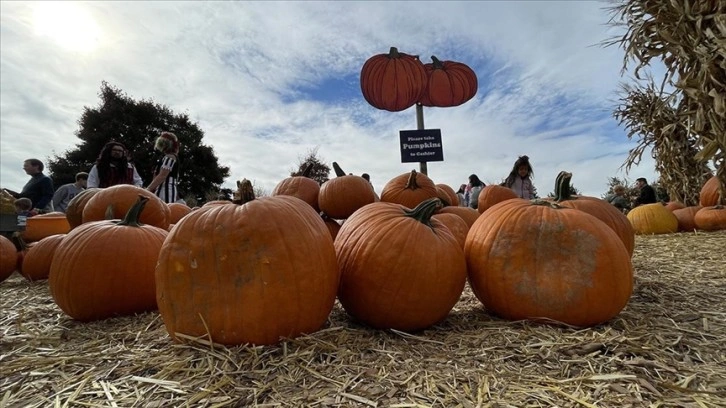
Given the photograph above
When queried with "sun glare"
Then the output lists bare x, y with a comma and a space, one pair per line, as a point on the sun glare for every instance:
68, 24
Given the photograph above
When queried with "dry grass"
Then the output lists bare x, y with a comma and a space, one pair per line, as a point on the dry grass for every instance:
665, 349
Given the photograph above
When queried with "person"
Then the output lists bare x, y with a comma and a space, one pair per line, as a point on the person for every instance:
166, 171
647, 193
23, 209
39, 189
112, 168
474, 188
617, 198
520, 179
461, 193
66, 192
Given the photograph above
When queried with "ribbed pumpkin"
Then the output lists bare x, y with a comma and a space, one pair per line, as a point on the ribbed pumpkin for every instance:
711, 218
302, 187
400, 269
251, 273
177, 211
121, 198
652, 219
45, 225
105, 268
333, 226
469, 215
8, 258
409, 189
493, 194
685, 217
458, 227
447, 195
38, 258
709, 192
538, 260
449, 83
74, 211
600, 209
341, 196
393, 81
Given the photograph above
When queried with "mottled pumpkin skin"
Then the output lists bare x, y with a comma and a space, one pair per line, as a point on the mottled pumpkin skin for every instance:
101, 269
8, 258
397, 272
529, 261
653, 219
607, 213
494, 194
711, 218
122, 197
393, 81
37, 261
301, 187
251, 273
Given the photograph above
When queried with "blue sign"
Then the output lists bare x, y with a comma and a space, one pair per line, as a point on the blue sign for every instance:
421, 145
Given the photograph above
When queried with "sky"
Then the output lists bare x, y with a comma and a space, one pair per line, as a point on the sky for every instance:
268, 82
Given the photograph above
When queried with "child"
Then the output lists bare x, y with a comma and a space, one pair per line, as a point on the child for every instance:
520, 179
474, 188
23, 208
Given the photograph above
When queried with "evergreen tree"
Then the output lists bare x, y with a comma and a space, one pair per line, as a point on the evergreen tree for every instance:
137, 124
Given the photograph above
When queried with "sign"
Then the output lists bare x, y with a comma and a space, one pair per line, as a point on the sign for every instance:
421, 145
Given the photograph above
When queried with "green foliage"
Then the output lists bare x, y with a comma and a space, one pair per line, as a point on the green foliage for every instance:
631, 192
319, 172
137, 124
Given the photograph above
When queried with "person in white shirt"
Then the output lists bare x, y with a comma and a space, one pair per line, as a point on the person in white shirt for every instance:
113, 167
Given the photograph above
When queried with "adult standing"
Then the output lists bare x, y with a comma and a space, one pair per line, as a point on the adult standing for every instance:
166, 171
647, 193
474, 187
66, 192
113, 167
39, 189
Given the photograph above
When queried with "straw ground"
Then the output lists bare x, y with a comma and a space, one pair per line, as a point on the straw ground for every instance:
665, 349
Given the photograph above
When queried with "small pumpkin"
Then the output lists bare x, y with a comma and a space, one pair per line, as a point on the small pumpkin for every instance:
469, 215
652, 219
74, 211
393, 81
494, 194
45, 225
38, 258
302, 187
344, 194
447, 195
458, 227
449, 83
674, 205
711, 218
709, 192
409, 189
685, 217
177, 211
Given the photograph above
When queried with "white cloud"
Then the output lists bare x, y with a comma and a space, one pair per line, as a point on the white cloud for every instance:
240, 69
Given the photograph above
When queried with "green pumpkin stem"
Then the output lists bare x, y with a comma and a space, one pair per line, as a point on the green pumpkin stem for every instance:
562, 187
338, 171
131, 218
412, 184
425, 210
437, 64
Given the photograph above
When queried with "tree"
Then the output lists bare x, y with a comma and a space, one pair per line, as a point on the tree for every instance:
687, 37
319, 171
136, 124
631, 193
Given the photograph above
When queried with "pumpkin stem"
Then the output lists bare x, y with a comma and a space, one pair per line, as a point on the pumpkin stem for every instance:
131, 218
338, 171
109, 214
425, 210
394, 53
437, 63
307, 170
412, 184
562, 187
245, 192
551, 204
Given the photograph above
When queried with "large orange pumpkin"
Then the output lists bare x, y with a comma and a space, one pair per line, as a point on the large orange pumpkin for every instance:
538, 260
449, 83
493, 194
105, 268
409, 189
393, 81
341, 196
251, 273
120, 198
400, 269
302, 187
8, 258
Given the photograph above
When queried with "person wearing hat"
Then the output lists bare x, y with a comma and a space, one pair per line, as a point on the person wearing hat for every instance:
166, 171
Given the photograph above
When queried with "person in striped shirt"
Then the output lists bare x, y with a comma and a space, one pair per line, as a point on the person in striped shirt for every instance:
166, 170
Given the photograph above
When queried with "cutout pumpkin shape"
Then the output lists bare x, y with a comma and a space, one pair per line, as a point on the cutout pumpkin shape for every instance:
449, 83
393, 81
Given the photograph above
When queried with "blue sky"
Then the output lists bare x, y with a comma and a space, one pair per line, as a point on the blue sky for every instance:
269, 81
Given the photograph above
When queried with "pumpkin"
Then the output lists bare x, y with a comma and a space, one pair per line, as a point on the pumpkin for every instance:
458, 227
685, 217
74, 211
120, 198
493, 194
709, 192
342, 195
177, 211
38, 257
449, 83
105, 268
469, 215
447, 195
600, 209
399, 268
674, 205
541, 261
8, 258
409, 189
45, 225
652, 219
333, 226
302, 187
711, 218
393, 81
250, 273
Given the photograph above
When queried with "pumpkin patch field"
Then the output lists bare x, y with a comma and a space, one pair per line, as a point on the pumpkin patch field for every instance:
666, 348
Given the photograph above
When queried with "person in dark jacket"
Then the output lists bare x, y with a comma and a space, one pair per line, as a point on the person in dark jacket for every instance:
647, 193
39, 189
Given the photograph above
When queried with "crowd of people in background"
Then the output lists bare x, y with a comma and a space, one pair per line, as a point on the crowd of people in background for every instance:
112, 167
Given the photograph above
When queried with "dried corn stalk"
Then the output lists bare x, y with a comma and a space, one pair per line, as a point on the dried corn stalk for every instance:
689, 37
